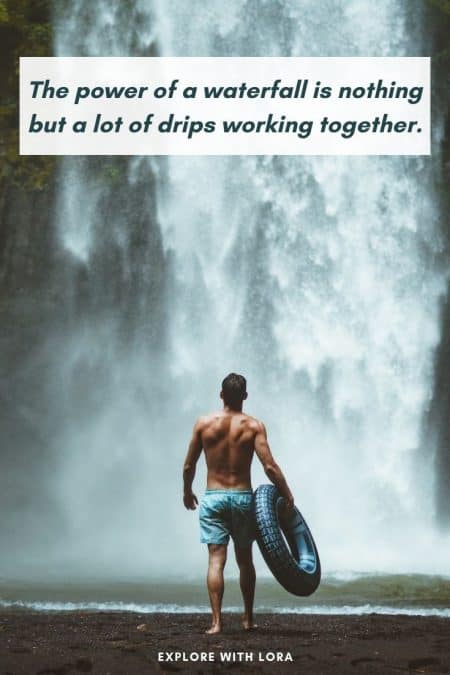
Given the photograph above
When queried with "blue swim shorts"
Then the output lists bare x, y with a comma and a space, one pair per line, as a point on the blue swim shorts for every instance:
225, 513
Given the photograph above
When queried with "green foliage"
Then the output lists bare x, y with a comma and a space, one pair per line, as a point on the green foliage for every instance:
441, 20
441, 66
31, 172
443, 5
25, 30
3, 12
112, 172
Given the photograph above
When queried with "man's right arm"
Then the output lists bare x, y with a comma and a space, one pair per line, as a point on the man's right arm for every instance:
193, 454
271, 468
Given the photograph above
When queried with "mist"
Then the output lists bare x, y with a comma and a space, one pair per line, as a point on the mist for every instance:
317, 278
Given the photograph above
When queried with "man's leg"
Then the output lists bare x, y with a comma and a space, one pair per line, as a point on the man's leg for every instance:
217, 560
247, 579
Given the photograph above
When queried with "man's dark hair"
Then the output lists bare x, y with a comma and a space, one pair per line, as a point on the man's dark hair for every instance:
234, 390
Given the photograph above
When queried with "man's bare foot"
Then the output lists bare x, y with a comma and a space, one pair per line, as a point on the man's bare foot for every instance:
248, 624
215, 628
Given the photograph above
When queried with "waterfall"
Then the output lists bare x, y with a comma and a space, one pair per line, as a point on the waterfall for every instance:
314, 277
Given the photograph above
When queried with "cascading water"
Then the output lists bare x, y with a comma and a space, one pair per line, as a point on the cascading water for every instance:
315, 277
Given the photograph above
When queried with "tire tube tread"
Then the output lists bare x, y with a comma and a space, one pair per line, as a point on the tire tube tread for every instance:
273, 547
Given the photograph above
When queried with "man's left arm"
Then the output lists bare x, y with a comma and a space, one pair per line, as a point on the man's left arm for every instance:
194, 451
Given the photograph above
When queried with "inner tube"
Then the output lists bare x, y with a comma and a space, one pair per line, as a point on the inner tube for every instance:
286, 542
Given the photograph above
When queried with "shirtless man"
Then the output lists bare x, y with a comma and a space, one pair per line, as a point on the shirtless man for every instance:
229, 439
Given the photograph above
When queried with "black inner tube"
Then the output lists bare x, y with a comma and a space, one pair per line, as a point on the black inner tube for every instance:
297, 537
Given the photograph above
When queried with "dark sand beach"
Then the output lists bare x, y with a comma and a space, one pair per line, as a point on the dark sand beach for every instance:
119, 643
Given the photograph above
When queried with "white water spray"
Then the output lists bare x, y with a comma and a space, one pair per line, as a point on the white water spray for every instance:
315, 277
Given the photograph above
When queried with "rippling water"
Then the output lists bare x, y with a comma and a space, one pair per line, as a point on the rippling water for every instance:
338, 594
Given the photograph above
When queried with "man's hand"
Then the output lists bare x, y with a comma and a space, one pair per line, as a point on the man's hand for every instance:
190, 501
287, 506
194, 451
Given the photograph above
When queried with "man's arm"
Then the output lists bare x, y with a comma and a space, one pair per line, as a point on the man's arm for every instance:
271, 468
194, 451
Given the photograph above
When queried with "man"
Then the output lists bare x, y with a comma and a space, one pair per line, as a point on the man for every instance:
229, 439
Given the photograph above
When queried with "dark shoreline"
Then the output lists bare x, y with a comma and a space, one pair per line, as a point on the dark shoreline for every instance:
122, 643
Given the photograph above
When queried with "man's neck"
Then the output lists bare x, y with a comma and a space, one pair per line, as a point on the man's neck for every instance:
229, 409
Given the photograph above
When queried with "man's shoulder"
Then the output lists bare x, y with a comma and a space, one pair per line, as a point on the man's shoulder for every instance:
254, 424
204, 420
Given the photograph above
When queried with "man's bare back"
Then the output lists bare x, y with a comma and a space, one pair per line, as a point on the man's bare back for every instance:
229, 439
